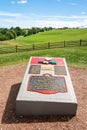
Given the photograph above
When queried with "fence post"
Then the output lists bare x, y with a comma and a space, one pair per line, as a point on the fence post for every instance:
80, 42
16, 48
64, 44
33, 46
48, 45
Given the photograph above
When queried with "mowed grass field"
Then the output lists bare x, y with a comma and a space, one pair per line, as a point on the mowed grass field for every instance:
51, 36
76, 56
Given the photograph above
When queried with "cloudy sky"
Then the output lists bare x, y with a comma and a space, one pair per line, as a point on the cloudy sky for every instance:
43, 13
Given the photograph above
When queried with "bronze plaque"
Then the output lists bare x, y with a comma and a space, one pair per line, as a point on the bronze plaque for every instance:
47, 82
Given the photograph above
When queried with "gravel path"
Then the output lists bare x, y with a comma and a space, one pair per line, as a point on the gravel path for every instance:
10, 79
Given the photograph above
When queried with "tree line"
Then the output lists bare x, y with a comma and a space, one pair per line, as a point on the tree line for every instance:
12, 33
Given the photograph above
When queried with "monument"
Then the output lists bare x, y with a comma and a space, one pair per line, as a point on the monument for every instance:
46, 89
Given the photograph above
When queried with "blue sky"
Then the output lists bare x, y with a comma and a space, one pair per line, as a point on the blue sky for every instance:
43, 13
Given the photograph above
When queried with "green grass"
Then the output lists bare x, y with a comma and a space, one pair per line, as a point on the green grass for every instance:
76, 56
51, 36
55, 36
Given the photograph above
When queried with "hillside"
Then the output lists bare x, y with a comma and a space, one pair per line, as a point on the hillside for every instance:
53, 36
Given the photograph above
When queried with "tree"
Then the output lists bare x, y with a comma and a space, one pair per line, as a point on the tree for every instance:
50, 28
34, 30
45, 29
42, 30
14, 33
1, 37
9, 35
18, 31
3, 30
65, 27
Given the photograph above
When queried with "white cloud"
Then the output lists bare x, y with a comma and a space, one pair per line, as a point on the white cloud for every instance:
73, 4
19, 1
33, 20
60, 23
65, 18
12, 2
3, 13
22, 1
83, 13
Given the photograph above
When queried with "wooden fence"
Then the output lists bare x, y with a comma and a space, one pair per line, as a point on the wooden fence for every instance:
31, 47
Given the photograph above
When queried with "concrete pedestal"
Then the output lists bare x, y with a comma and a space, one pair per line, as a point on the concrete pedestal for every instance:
62, 102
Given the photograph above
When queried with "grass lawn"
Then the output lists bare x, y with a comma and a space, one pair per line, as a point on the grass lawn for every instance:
76, 56
55, 36
51, 36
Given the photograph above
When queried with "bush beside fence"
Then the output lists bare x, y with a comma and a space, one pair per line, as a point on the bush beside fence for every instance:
32, 47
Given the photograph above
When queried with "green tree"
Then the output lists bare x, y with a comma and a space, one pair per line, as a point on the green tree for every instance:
9, 35
33, 30
3, 30
25, 32
45, 29
14, 33
18, 31
2, 37
29, 31
50, 28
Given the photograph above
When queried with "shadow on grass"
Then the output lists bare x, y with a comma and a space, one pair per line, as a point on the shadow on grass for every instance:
9, 115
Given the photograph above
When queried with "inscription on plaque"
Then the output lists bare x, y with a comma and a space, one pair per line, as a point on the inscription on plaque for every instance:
60, 70
34, 69
47, 82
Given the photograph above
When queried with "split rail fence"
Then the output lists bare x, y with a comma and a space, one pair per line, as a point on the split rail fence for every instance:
31, 47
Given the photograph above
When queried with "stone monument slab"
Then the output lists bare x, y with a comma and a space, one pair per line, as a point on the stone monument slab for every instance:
46, 89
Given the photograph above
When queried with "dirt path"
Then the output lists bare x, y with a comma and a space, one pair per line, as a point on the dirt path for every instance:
10, 79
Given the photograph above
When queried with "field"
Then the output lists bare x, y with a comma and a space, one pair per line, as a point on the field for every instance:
54, 36
51, 36
76, 56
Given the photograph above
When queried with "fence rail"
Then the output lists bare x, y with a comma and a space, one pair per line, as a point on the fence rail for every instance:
32, 47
